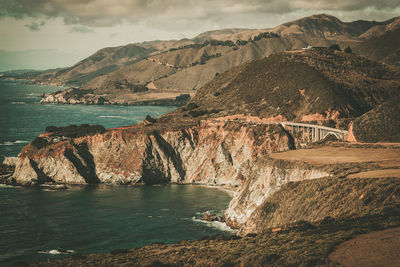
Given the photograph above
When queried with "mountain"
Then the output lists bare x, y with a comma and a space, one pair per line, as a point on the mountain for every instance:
303, 85
103, 61
166, 69
383, 45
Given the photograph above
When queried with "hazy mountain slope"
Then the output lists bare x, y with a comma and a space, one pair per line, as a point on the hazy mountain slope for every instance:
103, 61
227, 34
381, 28
385, 47
186, 65
192, 71
302, 85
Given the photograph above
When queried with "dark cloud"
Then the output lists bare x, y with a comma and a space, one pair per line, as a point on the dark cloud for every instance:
35, 26
107, 13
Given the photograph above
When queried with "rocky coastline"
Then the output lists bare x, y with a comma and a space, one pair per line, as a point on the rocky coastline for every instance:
219, 153
88, 97
306, 200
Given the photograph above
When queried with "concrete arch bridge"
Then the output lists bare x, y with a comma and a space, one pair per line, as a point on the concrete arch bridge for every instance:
313, 133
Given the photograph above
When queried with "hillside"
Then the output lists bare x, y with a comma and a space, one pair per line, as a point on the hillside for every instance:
384, 47
317, 84
380, 124
103, 61
182, 66
217, 51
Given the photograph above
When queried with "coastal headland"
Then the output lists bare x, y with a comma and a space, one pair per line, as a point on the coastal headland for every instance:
296, 198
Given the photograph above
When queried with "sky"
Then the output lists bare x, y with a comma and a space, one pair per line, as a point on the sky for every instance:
41, 34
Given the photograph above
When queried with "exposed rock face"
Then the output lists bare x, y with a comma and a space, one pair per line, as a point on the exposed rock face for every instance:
211, 152
220, 153
266, 178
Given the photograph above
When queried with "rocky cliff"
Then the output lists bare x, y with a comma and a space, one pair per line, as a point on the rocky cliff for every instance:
208, 152
213, 152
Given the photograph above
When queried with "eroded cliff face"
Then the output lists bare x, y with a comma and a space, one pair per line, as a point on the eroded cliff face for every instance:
210, 152
266, 177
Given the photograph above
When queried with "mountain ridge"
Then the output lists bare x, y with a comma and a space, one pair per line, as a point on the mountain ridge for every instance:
168, 69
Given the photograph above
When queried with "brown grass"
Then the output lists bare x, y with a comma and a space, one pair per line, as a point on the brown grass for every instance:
380, 248
337, 155
376, 174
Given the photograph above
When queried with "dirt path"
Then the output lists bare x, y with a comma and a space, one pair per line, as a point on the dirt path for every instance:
381, 248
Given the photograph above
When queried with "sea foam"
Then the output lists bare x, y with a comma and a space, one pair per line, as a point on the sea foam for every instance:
216, 224
10, 143
57, 251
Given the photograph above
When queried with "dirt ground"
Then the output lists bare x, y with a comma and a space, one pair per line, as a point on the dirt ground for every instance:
380, 248
385, 157
149, 95
376, 173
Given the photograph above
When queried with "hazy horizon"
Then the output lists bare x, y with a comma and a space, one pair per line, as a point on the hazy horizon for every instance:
58, 33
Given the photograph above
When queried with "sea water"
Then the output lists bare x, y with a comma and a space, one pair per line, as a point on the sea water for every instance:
37, 224
22, 117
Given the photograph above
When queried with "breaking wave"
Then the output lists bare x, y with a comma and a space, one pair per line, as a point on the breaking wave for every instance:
57, 251
216, 224
115, 117
10, 143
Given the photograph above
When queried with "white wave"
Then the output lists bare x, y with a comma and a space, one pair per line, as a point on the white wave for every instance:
165, 209
57, 252
31, 95
216, 224
21, 142
18, 103
10, 143
115, 117
8, 186
7, 143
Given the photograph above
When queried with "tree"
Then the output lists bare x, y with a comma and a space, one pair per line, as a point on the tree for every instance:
348, 50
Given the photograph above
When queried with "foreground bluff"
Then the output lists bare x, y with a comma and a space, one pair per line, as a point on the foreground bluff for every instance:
224, 135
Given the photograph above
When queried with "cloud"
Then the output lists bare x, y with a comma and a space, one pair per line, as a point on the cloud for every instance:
35, 26
81, 29
100, 13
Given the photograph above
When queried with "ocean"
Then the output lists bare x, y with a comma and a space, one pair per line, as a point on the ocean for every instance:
38, 224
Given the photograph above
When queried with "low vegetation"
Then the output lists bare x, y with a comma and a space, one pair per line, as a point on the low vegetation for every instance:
301, 83
71, 131
381, 124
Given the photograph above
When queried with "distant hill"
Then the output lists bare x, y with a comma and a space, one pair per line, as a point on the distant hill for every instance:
183, 66
384, 47
316, 84
191, 66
